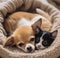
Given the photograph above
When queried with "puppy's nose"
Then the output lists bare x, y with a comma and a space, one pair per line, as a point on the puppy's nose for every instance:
29, 49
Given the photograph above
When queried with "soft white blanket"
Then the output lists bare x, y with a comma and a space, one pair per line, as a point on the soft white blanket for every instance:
56, 3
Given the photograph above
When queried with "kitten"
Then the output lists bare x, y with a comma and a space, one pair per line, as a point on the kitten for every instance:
44, 39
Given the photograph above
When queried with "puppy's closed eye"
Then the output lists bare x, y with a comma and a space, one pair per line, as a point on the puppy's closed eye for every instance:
32, 39
21, 44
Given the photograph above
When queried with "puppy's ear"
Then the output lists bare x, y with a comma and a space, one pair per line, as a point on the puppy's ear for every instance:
37, 30
9, 41
36, 26
54, 34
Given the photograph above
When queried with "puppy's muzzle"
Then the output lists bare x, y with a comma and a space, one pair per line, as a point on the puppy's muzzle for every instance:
30, 48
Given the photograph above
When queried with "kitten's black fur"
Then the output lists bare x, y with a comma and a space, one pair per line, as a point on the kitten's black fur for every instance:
48, 37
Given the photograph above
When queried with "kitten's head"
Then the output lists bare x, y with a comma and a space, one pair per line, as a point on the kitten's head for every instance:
44, 39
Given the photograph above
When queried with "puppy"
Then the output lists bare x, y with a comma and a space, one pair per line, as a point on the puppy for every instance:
44, 39
21, 26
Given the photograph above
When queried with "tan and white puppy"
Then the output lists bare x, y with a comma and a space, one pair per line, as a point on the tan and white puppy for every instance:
22, 25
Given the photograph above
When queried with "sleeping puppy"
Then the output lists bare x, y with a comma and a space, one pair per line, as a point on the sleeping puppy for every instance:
22, 26
44, 39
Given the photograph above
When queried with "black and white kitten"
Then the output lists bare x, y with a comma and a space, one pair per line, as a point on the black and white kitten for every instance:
44, 39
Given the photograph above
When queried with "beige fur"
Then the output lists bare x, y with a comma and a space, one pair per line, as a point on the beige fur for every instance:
23, 33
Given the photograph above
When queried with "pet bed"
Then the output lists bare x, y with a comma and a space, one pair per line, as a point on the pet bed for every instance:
11, 6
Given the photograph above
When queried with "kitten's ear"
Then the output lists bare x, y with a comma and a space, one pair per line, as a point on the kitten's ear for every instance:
9, 41
36, 26
54, 34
